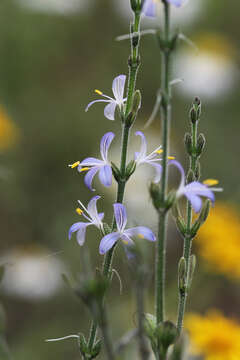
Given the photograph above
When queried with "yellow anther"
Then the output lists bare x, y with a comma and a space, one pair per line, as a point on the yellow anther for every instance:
98, 92
171, 158
210, 182
74, 165
79, 211
125, 242
141, 236
84, 169
159, 151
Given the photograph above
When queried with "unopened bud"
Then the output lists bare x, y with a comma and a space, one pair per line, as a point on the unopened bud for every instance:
171, 198
116, 172
181, 226
167, 334
201, 141
135, 108
155, 193
131, 167
190, 176
188, 143
195, 111
136, 5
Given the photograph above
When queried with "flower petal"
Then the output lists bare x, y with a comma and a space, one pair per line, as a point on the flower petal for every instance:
107, 242
76, 227
118, 88
81, 235
120, 216
142, 232
177, 3
90, 161
143, 150
95, 101
89, 177
158, 169
109, 110
92, 210
105, 143
197, 188
105, 175
195, 201
180, 168
150, 8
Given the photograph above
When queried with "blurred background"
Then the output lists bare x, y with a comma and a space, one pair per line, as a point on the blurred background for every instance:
54, 53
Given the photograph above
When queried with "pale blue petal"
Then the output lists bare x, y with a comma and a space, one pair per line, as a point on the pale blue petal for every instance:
180, 168
177, 3
107, 242
141, 231
105, 143
195, 201
118, 88
120, 216
81, 233
76, 227
158, 170
105, 175
143, 150
109, 110
92, 208
200, 189
95, 101
90, 161
150, 8
89, 177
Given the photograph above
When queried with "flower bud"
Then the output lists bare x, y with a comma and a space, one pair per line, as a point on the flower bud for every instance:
181, 226
116, 172
167, 334
188, 143
182, 266
195, 111
190, 176
201, 142
197, 171
136, 5
131, 167
171, 198
96, 349
155, 193
135, 108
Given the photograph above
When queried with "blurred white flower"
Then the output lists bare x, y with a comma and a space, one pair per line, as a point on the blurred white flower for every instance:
56, 6
32, 274
209, 72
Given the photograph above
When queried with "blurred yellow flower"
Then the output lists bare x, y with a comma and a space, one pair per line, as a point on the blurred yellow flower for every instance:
219, 240
214, 336
9, 133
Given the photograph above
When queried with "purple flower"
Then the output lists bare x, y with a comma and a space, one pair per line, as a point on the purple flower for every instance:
194, 190
94, 166
118, 100
152, 159
109, 240
91, 215
150, 6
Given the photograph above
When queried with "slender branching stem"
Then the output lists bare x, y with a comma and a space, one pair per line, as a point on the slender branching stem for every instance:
187, 246
133, 68
165, 116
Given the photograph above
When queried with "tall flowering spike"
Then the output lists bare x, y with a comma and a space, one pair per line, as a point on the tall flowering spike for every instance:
195, 190
94, 166
152, 159
91, 215
118, 86
109, 240
150, 6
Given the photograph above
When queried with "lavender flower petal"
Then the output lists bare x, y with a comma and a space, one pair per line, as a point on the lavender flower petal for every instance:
81, 233
105, 143
92, 209
195, 201
177, 3
105, 175
76, 227
158, 169
120, 216
89, 177
197, 188
150, 8
95, 101
90, 161
141, 231
118, 87
109, 110
143, 150
107, 242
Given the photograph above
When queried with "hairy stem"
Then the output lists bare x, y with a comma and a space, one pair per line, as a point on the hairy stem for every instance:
162, 222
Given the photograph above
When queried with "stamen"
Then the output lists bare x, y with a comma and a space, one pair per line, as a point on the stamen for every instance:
98, 92
141, 236
79, 211
84, 169
159, 151
125, 242
171, 158
74, 165
210, 182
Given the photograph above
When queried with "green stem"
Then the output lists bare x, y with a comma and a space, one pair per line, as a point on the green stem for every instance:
187, 246
162, 222
133, 68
